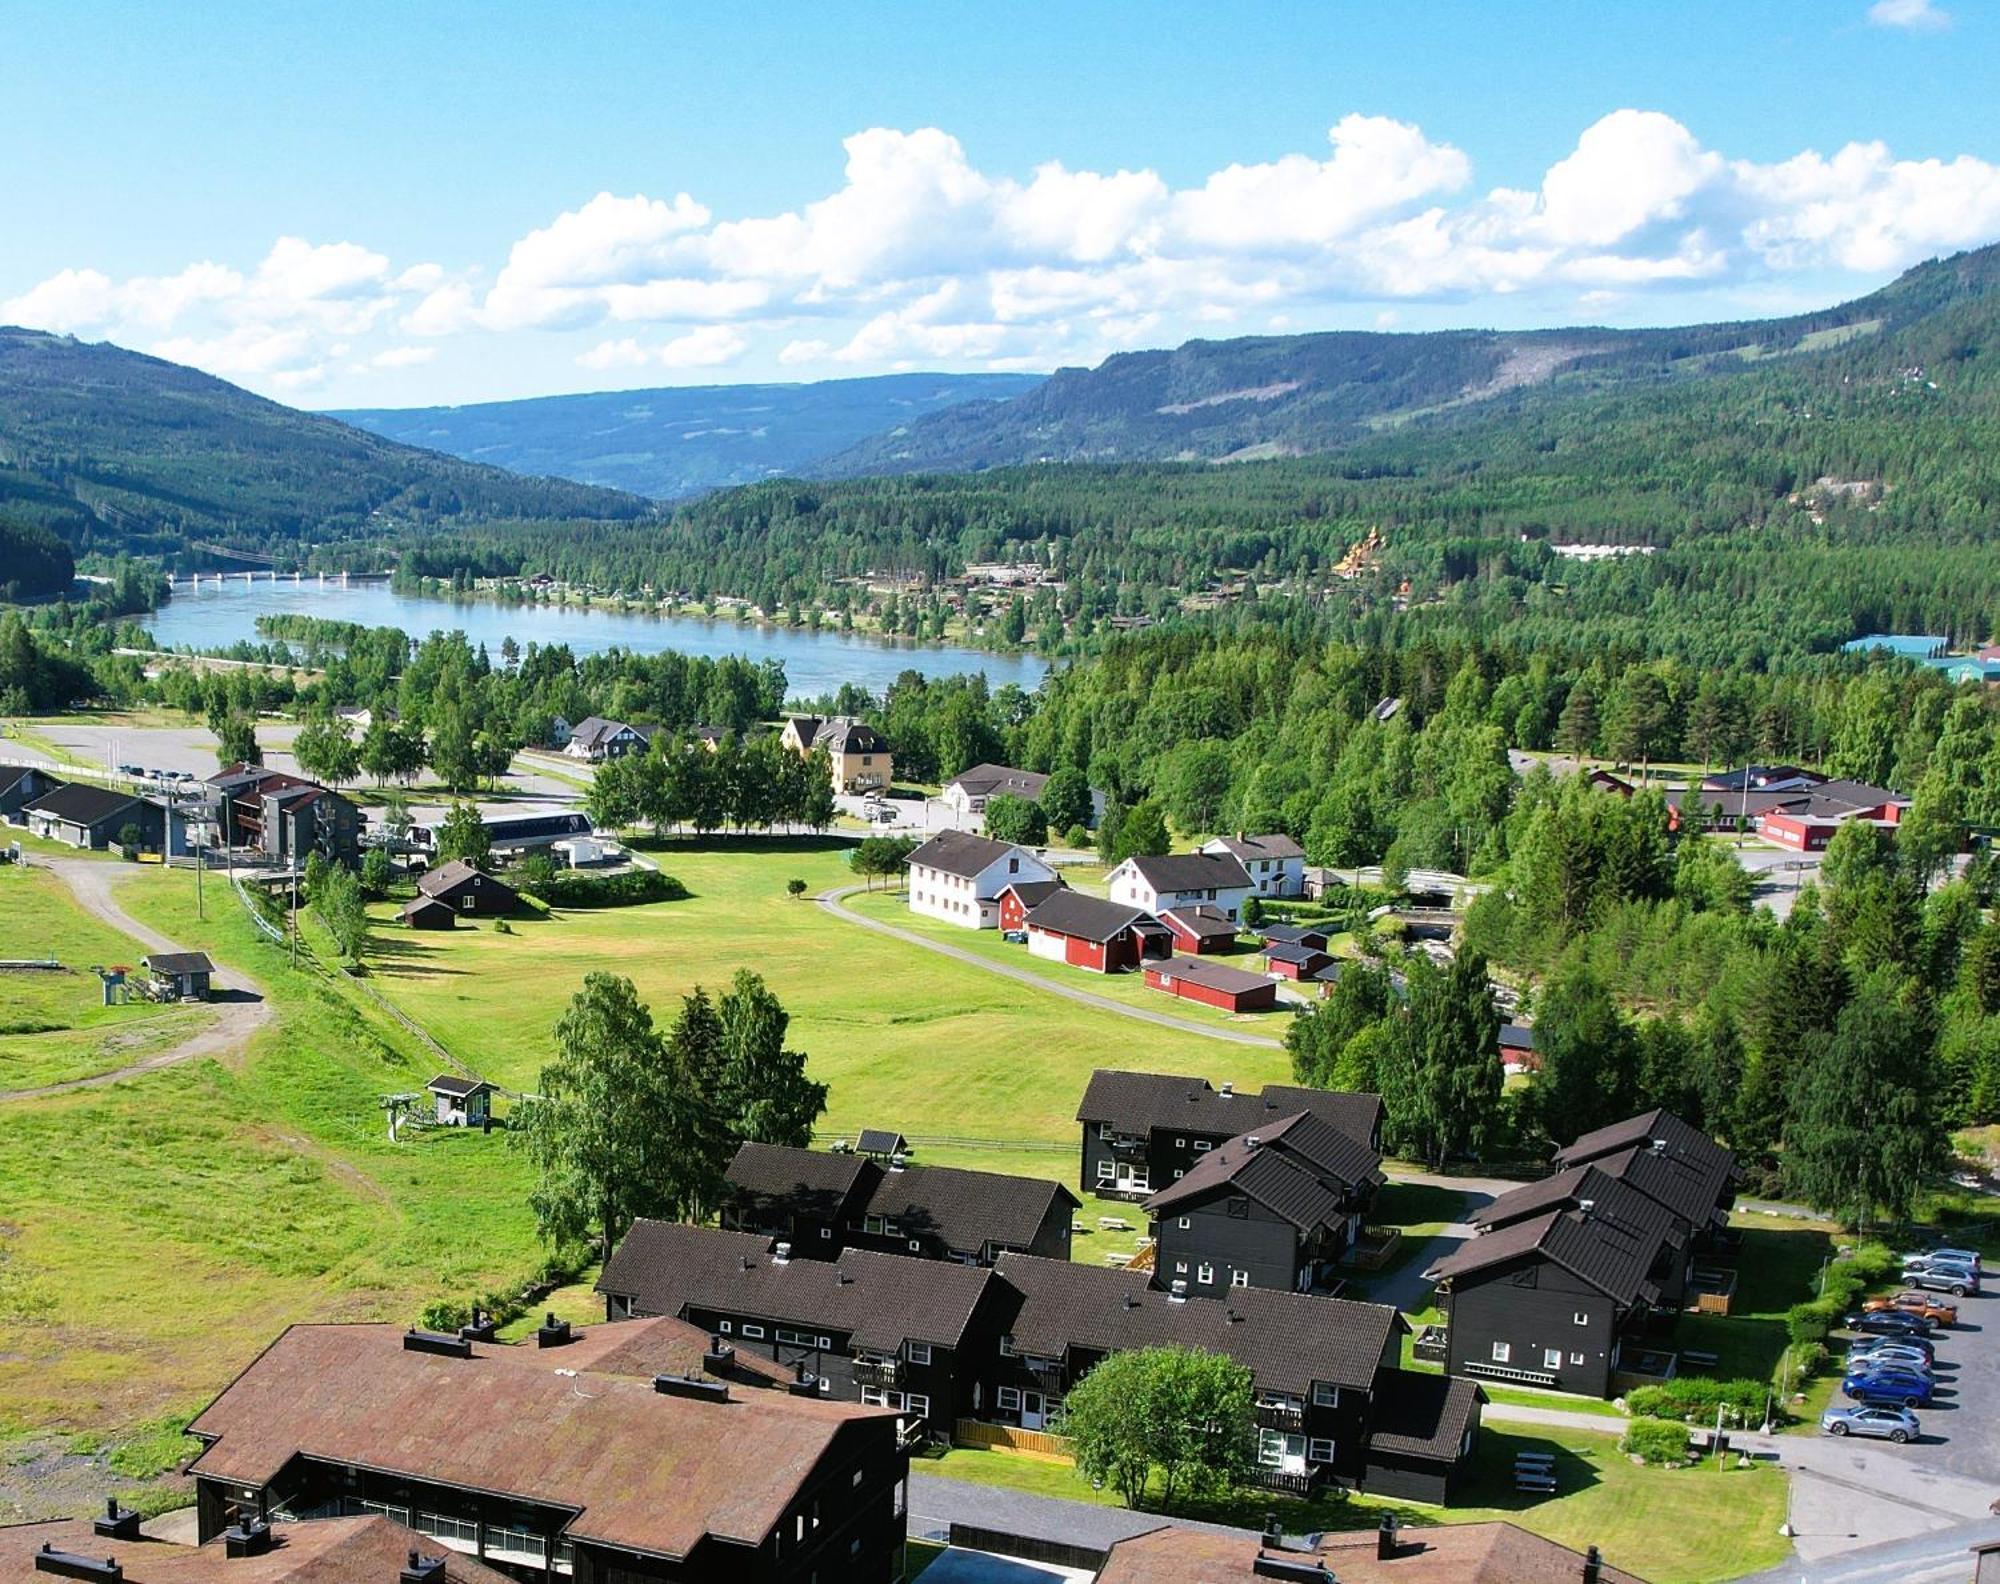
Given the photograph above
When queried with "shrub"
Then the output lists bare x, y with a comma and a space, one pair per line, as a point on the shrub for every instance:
444, 1314
1690, 1397
1808, 1322
1658, 1441
1807, 1359
1873, 1262
572, 888
1076, 836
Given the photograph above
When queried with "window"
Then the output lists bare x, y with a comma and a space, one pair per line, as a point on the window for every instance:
1576, 1358
1182, 1223
1205, 1274
859, 1475
465, 902
1178, 1174
917, 1404
1106, 1170
1502, 1352
1013, 866
1180, 1267
1007, 1349
1240, 1209
1239, 1278
1326, 1394
1319, 1450
752, 1330
1552, 1358
1277, 1450
1008, 1399
872, 1224
723, 1326
874, 1397
920, 1352
1104, 1130
1180, 1143
915, 1246
1580, 1318
1203, 1146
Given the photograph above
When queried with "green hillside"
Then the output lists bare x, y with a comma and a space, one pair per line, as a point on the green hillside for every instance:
113, 451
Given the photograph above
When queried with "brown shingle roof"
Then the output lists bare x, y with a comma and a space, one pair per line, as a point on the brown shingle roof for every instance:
1287, 1340
1083, 917
987, 780
883, 1301
1246, 848
1481, 1553
1135, 1102
643, 1470
1420, 1415
80, 803
1682, 1167
457, 872
1190, 871
774, 1181
1206, 971
1612, 1255
966, 1210
1203, 922
960, 853
367, 1550
659, 1346
1286, 1171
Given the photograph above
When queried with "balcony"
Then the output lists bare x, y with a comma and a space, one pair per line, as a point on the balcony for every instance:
878, 1372
1277, 1416
1285, 1481
1432, 1344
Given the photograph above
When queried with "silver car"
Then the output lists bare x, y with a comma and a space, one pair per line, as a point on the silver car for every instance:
1890, 1424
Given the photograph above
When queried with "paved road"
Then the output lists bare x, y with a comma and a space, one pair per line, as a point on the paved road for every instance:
241, 1009
834, 902
1939, 1557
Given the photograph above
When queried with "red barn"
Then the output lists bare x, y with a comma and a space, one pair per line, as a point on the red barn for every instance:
1213, 984
1286, 960
1088, 932
1200, 929
1021, 898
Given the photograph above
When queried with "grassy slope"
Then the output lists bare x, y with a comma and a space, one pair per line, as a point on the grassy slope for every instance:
54, 1026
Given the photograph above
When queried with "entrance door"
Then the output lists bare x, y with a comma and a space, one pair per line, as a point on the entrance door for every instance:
1034, 1410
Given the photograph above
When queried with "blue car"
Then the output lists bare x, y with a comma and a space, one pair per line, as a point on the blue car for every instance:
1900, 1388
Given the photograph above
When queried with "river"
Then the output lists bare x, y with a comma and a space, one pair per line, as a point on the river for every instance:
815, 662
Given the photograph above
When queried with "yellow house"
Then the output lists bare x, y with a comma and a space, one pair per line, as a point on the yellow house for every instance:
860, 754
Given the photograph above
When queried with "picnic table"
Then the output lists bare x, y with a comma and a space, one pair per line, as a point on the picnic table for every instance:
1114, 1223
1116, 1257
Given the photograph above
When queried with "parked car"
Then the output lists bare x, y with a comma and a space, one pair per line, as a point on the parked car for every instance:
1879, 1364
1913, 1350
134, 771
1889, 1322
1946, 1256
1895, 1424
1902, 1387
1958, 1280
1917, 1303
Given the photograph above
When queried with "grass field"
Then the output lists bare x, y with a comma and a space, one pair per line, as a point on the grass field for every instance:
54, 1025
904, 1038
1681, 1526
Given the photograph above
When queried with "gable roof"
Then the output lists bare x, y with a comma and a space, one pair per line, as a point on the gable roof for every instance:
1608, 1197
1089, 918
178, 962
12, 776
767, 1180
1287, 1340
844, 734
881, 1141
449, 876
961, 853
462, 1088
594, 731
1295, 934
1207, 971
880, 1300
988, 780
1517, 1036
1190, 871
1033, 893
1137, 1102
1422, 1415
1477, 1553
1201, 921
1303, 956
366, 1550
80, 803
1611, 1255
1287, 1169
643, 1470
1245, 848
966, 1210
1684, 1168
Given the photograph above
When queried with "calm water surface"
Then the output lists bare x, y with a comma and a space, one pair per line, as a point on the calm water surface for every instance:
814, 662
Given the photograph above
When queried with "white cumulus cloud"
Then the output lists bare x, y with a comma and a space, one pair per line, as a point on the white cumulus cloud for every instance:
1918, 15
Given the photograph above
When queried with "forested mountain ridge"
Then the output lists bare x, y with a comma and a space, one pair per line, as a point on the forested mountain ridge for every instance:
116, 451
680, 440
1267, 396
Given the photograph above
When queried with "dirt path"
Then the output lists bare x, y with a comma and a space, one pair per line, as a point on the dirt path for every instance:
241, 1008
834, 902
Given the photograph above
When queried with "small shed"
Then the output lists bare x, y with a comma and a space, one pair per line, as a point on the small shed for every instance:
461, 1102
422, 912
1517, 1048
185, 974
1200, 929
465, 888
1294, 962
1213, 984
881, 1144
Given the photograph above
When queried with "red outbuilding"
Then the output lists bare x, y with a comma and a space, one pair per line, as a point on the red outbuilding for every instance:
1213, 984
1201, 930
1088, 932
1287, 960
1021, 898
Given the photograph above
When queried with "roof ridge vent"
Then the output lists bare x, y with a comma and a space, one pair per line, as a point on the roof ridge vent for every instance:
70, 1564
442, 1343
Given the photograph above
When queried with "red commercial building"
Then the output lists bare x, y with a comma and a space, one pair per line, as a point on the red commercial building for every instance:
1213, 984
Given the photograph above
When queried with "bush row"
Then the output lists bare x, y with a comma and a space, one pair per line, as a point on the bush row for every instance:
1847, 1278
576, 888
558, 1270
1690, 1397
1658, 1441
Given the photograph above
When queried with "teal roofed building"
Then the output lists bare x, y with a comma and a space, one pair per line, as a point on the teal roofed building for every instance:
1911, 646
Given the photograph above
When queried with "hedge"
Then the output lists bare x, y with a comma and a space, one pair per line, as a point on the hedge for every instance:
1658, 1441
1691, 1397
572, 888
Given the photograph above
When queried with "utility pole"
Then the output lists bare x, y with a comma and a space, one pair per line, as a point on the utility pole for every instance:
200, 849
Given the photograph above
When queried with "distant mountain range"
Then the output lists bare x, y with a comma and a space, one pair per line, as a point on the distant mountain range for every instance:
677, 441
1271, 396
113, 450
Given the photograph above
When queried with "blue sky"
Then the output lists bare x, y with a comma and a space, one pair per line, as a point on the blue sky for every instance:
390, 205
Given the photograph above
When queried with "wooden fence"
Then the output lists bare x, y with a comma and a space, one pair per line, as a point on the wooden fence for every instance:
1031, 1443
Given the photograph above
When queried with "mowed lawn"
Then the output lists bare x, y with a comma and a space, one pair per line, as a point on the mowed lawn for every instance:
155, 1234
54, 1025
904, 1038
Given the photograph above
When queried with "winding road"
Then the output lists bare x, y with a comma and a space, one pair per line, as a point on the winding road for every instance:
834, 901
240, 1013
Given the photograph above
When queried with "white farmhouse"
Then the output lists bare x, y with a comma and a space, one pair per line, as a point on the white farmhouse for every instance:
1182, 880
1276, 864
958, 877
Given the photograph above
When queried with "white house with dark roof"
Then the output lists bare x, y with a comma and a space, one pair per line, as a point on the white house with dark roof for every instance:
596, 739
966, 795
1276, 864
958, 877
1158, 884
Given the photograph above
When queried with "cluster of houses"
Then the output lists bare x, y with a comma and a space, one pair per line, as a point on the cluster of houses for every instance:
859, 755
1788, 806
242, 806
1562, 1276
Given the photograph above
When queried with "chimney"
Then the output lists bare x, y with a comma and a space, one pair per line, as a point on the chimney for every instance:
439, 1342
691, 1386
1274, 1533
841, 1278
1659, 1146
69, 1564
720, 1357
553, 1332
1593, 1565
1251, 1141
781, 1254
1178, 1293
807, 1385
1586, 1208
749, 1263
484, 1328
246, 1539
115, 1525
1131, 1300
1385, 1538
421, 1569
